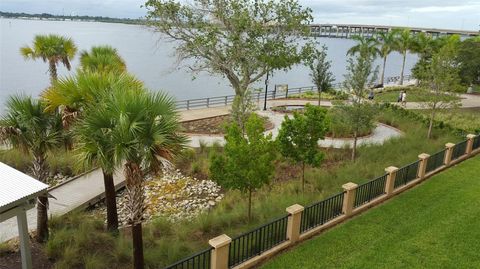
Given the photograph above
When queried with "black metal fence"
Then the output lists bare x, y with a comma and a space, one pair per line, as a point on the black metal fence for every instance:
200, 260
406, 174
321, 212
255, 242
370, 190
459, 150
435, 161
476, 142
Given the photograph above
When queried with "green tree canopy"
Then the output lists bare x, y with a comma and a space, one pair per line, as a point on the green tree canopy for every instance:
366, 46
247, 162
298, 137
103, 59
386, 45
320, 72
468, 58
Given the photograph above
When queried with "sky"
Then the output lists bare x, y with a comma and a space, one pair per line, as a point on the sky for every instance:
446, 14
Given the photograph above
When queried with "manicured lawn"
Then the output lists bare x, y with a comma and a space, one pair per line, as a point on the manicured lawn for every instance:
435, 225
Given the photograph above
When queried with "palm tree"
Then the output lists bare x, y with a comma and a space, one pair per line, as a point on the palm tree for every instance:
102, 59
366, 47
29, 127
141, 134
405, 42
72, 95
52, 49
386, 44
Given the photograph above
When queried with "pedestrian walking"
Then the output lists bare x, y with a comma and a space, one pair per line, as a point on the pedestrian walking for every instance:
404, 98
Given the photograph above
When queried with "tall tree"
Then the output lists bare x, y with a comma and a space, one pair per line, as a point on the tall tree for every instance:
27, 126
386, 45
360, 73
72, 96
103, 59
143, 135
247, 161
298, 137
442, 81
320, 72
366, 47
403, 45
53, 49
240, 40
468, 59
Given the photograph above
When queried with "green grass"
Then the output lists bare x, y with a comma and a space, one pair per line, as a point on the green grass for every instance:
313, 95
432, 226
414, 94
166, 243
463, 118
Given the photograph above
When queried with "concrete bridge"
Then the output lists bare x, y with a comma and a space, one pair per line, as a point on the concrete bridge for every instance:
349, 30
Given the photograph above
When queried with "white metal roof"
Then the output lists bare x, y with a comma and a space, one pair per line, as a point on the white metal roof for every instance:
16, 187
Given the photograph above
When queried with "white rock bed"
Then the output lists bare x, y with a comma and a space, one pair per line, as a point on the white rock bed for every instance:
173, 196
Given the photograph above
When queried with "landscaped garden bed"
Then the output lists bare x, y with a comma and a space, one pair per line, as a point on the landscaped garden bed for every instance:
213, 125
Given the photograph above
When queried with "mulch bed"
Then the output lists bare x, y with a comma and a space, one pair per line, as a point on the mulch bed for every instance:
213, 126
12, 260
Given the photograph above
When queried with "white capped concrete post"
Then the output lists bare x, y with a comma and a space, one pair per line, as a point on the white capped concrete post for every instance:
391, 176
422, 166
294, 220
221, 245
470, 139
24, 240
448, 153
349, 197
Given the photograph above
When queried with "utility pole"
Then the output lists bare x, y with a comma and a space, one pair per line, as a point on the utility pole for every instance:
266, 92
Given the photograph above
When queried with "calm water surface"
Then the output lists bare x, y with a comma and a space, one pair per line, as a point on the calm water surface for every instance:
147, 56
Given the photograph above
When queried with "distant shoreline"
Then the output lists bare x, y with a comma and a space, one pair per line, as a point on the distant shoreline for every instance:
50, 17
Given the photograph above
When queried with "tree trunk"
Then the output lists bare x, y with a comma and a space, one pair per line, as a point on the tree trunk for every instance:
42, 219
403, 67
40, 172
135, 205
430, 125
354, 149
319, 96
382, 77
249, 204
303, 176
52, 67
137, 238
110, 202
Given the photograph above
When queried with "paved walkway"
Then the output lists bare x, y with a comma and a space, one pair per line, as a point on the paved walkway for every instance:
74, 194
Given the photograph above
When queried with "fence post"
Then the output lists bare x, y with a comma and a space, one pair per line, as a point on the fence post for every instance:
286, 93
422, 166
208, 102
448, 153
221, 245
349, 197
391, 175
188, 104
294, 220
226, 100
469, 148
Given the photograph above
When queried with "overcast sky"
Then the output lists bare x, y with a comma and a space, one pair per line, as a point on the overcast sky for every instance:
449, 14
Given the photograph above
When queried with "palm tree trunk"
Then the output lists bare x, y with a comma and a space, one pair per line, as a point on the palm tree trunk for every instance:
354, 149
137, 238
135, 206
382, 77
249, 204
40, 172
403, 67
110, 202
52, 67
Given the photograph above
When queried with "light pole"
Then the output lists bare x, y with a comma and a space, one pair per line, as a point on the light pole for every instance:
266, 91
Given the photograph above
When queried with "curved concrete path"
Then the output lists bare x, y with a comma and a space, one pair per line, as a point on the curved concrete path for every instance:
381, 133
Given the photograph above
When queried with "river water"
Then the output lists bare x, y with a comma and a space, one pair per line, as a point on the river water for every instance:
148, 57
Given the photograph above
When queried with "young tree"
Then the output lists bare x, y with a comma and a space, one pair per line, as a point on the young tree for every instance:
404, 43
27, 126
298, 137
386, 44
240, 40
443, 81
321, 74
143, 134
360, 74
247, 162
52, 49
102, 59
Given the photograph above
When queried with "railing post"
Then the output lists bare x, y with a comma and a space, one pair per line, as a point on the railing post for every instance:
286, 93
188, 104
422, 166
294, 220
221, 245
226, 100
349, 197
391, 175
470, 138
448, 153
208, 102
